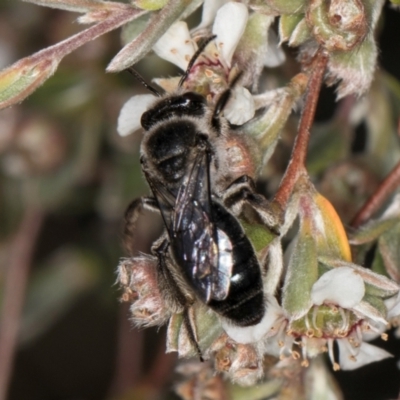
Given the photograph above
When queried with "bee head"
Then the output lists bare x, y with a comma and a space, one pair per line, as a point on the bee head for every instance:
187, 104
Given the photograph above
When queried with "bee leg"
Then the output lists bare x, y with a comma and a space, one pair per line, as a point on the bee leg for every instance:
132, 214
241, 193
191, 333
170, 286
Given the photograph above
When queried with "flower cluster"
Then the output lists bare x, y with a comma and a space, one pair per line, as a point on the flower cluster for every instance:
315, 295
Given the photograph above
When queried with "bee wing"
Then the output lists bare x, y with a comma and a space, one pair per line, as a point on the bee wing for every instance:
165, 199
200, 246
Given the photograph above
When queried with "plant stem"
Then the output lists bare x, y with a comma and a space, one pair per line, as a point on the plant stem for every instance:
386, 188
296, 165
16, 276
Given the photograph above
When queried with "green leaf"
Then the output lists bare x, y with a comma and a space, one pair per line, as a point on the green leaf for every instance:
255, 392
373, 230
150, 5
302, 273
259, 235
24, 77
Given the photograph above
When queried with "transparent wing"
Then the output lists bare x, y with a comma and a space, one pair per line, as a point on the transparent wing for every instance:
203, 251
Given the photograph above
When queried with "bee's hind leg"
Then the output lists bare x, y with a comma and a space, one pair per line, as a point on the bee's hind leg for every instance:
241, 194
172, 290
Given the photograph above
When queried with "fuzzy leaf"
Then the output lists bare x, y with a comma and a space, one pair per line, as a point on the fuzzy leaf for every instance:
294, 29
378, 265
206, 329
150, 5
252, 48
373, 307
259, 235
256, 392
81, 6
389, 249
302, 273
373, 230
173, 330
266, 128
133, 29
334, 241
277, 7
354, 69
24, 77
20, 79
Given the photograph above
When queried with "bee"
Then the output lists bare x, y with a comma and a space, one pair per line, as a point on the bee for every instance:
204, 252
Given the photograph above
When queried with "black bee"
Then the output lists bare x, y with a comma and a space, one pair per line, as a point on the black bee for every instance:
205, 250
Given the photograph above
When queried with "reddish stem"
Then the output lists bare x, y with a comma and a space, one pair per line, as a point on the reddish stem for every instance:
390, 183
296, 165
16, 276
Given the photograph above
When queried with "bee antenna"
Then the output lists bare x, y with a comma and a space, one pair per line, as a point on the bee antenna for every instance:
194, 58
223, 100
143, 82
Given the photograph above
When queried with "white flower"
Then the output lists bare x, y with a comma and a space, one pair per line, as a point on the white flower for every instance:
339, 314
240, 107
352, 357
341, 286
129, 117
275, 56
210, 8
178, 47
228, 16
253, 334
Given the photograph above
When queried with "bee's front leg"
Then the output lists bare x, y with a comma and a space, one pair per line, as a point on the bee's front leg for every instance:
132, 215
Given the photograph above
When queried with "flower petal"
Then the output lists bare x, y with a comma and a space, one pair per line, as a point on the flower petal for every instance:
393, 306
240, 107
131, 112
367, 353
229, 26
372, 278
252, 334
176, 45
274, 56
341, 286
210, 8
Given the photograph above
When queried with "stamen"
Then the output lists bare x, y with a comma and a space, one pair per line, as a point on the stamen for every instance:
345, 319
314, 316
336, 367
295, 355
305, 363
331, 355
358, 333
307, 322
310, 333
